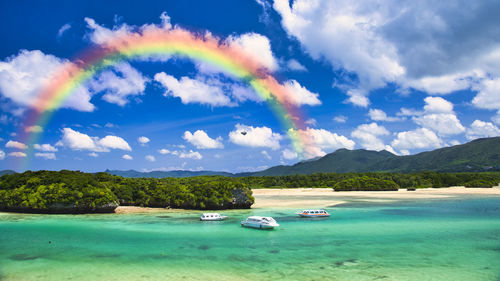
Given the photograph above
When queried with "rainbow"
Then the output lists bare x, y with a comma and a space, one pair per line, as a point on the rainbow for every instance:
230, 59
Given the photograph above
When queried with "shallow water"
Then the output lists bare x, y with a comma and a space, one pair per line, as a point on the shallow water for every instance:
455, 239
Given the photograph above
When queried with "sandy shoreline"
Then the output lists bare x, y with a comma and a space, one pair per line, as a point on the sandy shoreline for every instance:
323, 197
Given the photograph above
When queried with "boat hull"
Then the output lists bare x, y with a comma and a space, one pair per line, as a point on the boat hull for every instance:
312, 216
213, 219
259, 226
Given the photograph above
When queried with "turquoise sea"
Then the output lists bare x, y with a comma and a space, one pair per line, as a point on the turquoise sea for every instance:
452, 239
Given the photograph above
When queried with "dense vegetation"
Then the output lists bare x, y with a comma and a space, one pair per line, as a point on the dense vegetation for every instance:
413, 180
365, 183
77, 192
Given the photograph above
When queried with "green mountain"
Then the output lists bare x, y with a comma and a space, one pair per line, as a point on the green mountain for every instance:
477, 155
166, 174
6, 172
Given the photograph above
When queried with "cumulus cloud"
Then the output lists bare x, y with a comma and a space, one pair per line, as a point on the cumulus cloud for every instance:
15, 144
45, 147
201, 140
24, 75
256, 45
46, 155
444, 124
437, 115
143, 140
318, 140
190, 155
255, 137
114, 142
369, 134
293, 64
488, 97
414, 45
300, 95
380, 115
150, 158
17, 154
80, 141
419, 138
119, 83
127, 157
164, 151
480, 129
192, 90
2, 155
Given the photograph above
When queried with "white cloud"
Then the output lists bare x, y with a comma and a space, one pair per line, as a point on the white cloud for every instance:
496, 118
93, 154
437, 115
488, 96
340, 119
119, 83
418, 45
15, 144
192, 90
289, 154
143, 140
419, 138
23, 76
127, 157
266, 155
46, 155
201, 140
293, 64
311, 122
114, 142
257, 46
317, 140
45, 147
380, 115
444, 124
79, 141
17, 154
63, 29
164, 151
2, 155
368, 134
480, 129
33, 129
437, 105
255, 137
191, 155
150, 158
300, 95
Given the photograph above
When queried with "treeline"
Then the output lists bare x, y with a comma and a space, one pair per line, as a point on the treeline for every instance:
78, 192
371, 181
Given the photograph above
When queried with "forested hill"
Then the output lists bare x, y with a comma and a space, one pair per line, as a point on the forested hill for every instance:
166, 174
477, 155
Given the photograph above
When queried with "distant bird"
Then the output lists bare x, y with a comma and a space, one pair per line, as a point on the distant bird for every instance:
243, 133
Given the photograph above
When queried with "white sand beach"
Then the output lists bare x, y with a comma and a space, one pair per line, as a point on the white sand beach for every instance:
323, 197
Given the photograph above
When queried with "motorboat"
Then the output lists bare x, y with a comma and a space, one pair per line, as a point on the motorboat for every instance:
313, 213
260, 222
212, 217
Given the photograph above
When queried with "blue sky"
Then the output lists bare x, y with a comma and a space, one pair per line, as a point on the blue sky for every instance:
389, 75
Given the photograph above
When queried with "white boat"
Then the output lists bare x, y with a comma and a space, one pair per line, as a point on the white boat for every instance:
313, 213
212, 217
260, 222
